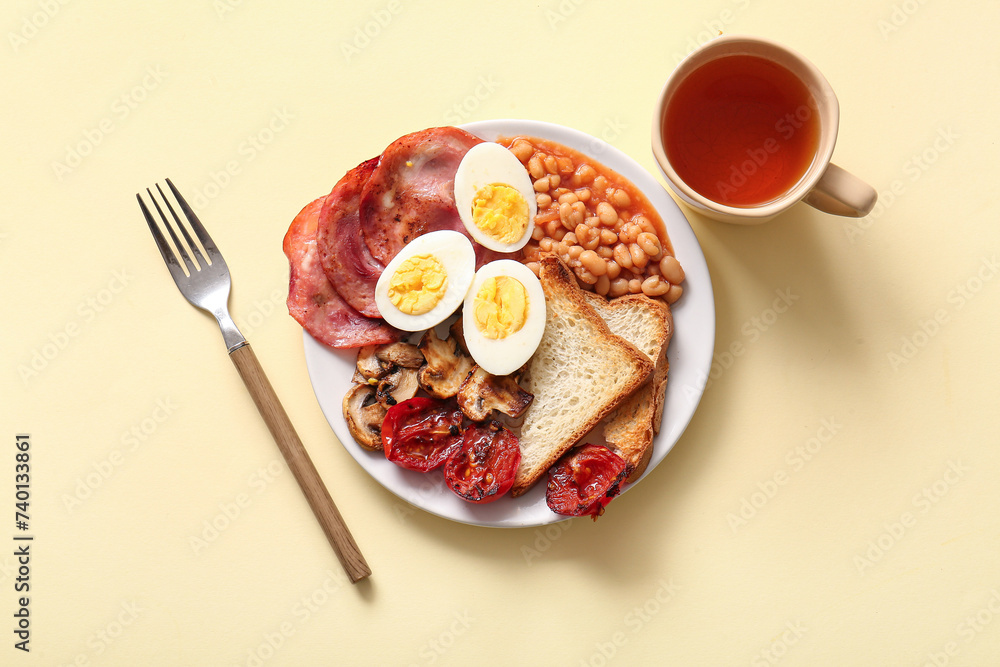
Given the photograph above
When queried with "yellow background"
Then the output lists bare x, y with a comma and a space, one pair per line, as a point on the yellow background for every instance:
881, 549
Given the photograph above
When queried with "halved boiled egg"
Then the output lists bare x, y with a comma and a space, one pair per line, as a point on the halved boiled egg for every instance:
426, 281
504, 316
495, 197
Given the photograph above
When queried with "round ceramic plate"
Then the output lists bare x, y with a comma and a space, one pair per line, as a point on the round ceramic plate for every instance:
690, 354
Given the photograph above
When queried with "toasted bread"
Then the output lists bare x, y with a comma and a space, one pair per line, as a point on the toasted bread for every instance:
647, 324
580, 372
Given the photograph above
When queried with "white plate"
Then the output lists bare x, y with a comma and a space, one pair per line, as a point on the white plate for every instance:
690, 354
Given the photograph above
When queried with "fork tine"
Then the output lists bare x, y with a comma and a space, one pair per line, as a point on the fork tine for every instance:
199, 229
161, 242
189, 265
199, 262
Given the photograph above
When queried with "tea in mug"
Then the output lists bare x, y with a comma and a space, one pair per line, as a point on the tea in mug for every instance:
741, 130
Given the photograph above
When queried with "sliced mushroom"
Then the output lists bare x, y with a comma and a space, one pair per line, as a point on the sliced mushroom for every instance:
406, 355
370, 367
396, 387
446, 366
457, 331
482, 393
364, 415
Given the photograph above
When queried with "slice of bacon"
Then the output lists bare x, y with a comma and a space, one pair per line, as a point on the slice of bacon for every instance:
411, 192
313, 302
343, 253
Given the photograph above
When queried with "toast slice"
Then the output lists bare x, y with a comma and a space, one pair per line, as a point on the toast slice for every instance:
580, 372
647, 324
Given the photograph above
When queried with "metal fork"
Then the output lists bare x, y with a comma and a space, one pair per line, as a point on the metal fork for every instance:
203, 279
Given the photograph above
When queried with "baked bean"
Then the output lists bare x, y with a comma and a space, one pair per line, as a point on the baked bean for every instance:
568, 198
608, 237
623, 256
570, 239
655, 286
607, 213
583, 194
564, 210
535, 166
591, 241
635, 286
644, 224
618, 287
555, 180
585, 276
583, 232
537, 233
639, 258
551, 227
543, 200
620, 198
629, 233
574, 250
559, 233
605, 251
534, 266
562, 250
545, 245
671, 270
603, 285
551, 164
674, 293
542, 185
530, 252
565, 165
593, 262
614, 270
592, 221
522, 150
649, 243
547, 217
585, 173
601, 183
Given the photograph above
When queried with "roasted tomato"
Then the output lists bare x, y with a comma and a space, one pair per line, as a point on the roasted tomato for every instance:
420, 433
483, 469
584, 480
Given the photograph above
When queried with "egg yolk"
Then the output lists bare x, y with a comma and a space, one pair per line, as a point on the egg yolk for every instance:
500, 307
501, 212
418, 284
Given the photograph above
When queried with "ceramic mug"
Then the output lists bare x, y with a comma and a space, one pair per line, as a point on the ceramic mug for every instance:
734, 165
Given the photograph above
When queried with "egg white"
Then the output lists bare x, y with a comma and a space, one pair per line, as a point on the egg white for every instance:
503, 356
455, 252
486, 164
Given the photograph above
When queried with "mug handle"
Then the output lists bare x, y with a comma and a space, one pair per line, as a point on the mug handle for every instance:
841, 193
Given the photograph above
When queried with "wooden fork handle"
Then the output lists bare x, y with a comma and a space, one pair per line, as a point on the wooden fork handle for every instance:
299, 463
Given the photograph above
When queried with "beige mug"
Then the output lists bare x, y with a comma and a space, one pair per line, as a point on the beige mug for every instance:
822, 184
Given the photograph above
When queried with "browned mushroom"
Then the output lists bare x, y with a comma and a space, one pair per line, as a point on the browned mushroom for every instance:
482, 393
446, 366
397, 386
364, 414
457, 331
406, 355
369, 366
